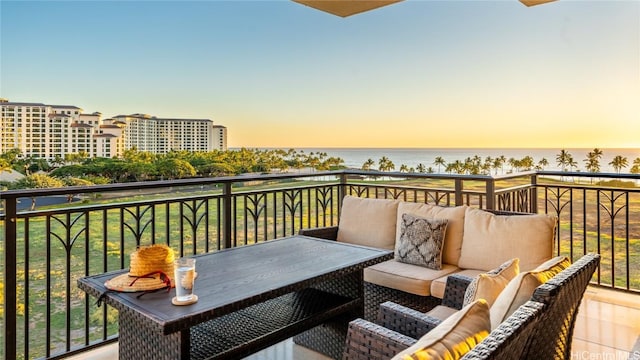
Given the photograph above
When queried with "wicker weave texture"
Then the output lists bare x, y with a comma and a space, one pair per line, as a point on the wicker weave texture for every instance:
455, 289
368, 341
139, 341
329, 337
406, 321
509, 340
540, 329
245, 331
562, 296
327, 233
374, 295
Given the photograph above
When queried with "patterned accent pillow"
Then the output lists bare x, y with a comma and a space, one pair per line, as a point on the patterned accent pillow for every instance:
421, 241
489, 285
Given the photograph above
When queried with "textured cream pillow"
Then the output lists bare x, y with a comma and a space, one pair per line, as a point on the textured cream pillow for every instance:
368, 222
521, 288
490, 284
454, 337
489, 239
455, 225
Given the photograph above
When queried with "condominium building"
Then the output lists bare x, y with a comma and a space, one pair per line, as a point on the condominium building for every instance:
161, 135
53, 131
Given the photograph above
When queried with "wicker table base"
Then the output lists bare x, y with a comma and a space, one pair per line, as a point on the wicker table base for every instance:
242, 332
249, 298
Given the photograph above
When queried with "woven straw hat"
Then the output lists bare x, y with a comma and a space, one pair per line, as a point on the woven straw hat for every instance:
145, 261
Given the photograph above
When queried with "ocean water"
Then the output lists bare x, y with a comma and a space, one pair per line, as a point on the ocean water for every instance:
355, 157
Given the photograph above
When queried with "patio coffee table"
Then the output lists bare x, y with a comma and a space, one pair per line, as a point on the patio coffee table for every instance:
249, 298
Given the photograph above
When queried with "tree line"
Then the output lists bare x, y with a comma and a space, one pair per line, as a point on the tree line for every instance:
476, 165
134, 165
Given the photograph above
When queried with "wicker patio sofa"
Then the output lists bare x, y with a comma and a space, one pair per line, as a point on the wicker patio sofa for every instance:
472, 244
542, 328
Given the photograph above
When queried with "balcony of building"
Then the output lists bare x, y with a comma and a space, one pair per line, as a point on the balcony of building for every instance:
47, 249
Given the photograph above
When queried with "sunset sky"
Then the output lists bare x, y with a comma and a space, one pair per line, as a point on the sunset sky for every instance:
279, 74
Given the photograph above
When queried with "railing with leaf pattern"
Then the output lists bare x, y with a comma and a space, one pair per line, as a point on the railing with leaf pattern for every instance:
46, 250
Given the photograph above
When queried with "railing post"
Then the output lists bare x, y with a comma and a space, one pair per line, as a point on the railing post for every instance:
459, 187
342, 189
490, 194
533, 204
226, 213
10, 273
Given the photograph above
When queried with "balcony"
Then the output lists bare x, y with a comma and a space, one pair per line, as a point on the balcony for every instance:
46, 250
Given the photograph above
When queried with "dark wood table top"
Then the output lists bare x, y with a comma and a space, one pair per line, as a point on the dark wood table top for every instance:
233, 279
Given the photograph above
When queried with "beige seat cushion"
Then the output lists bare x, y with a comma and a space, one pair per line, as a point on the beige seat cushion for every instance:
438, 285
454, 337
489, 240
490, 284
409, 278
368, 222
521, 288
455, 225
442, 312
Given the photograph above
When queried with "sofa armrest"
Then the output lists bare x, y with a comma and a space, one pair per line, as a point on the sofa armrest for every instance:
327, 233
405, 320
369, 341
454, 290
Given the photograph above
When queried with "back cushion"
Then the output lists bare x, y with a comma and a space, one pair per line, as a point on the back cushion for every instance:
521, 288
454, 336
489, 240
455, 225
368, 222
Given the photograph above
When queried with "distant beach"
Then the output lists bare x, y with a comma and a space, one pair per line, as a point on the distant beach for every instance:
355, 157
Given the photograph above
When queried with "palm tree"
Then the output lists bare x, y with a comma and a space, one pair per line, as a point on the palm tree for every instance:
562, 159
487, 165
439, 161
635, 169
618, 163
404, 168
543, 163
384, 164
598, 152
593, 160
421, 168
456, 167
572, 163
449, 168
527, 163
514, 163
472, 165
368, 164
498, 163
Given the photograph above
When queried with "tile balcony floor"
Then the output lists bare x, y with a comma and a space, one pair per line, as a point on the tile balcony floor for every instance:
607, 328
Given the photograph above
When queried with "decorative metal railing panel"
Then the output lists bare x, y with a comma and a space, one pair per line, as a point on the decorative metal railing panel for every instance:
47, 250
606, 221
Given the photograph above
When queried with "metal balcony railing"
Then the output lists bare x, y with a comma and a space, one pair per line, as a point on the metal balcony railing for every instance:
48, 248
